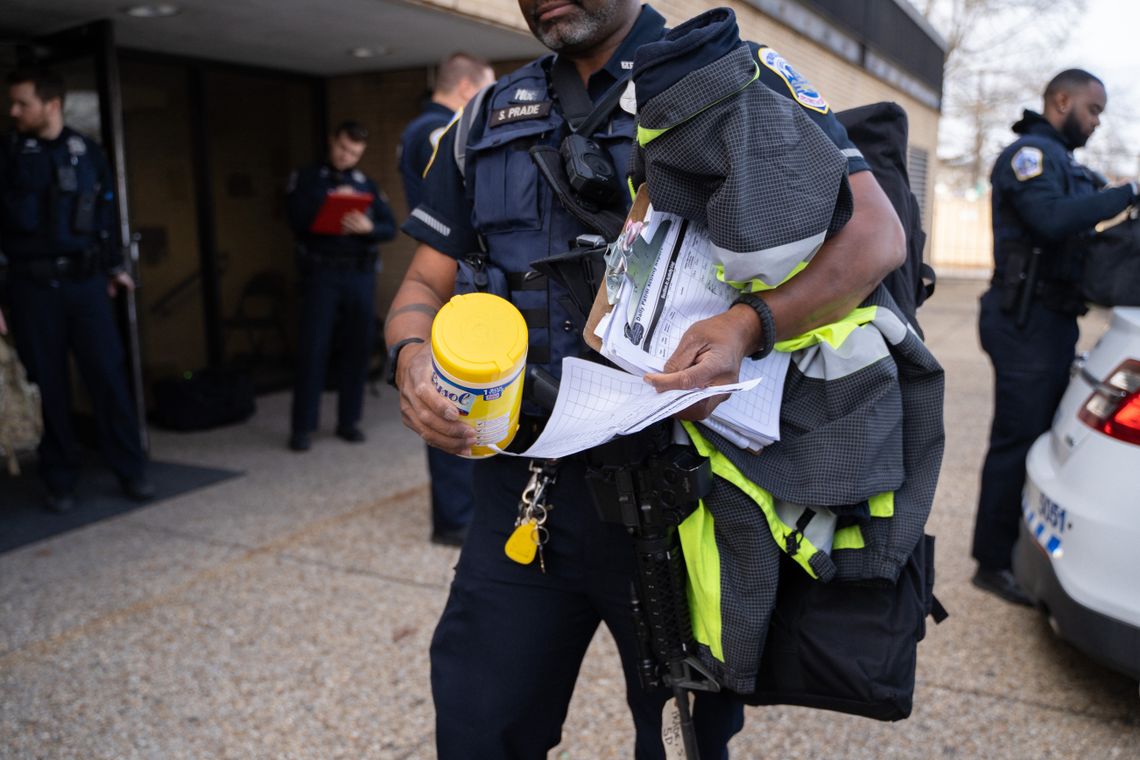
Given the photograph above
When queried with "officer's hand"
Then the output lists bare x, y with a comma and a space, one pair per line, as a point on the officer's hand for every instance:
355, 223
343, 190
710, 353
121, 280
3, 324
423, 410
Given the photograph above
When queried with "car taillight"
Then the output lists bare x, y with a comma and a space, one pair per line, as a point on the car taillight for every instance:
1114, 406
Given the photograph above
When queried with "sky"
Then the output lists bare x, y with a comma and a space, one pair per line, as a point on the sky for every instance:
1107, 43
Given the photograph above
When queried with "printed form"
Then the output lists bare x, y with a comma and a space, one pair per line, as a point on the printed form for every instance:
670, 283
663, 281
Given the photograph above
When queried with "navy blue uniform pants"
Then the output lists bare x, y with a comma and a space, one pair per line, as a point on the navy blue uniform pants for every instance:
1031, 371
327, 295
506, 652
452, 490
48, 320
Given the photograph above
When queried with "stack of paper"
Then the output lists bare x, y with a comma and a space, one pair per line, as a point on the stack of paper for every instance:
662, 280
597, 403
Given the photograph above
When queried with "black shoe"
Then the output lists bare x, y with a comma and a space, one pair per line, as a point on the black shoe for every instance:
453, 537
60, 502
352, 435
299, 442
1002, 583
137, 489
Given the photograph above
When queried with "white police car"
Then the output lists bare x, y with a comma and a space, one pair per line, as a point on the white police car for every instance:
1078, 554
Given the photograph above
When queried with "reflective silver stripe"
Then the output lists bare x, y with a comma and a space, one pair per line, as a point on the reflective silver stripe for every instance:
852, 153
432, 222
769, 265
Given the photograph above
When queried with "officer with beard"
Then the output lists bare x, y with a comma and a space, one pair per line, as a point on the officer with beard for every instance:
1044, 206
509, 645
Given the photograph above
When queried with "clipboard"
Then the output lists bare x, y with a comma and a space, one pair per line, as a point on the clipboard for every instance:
601, 304
336, 205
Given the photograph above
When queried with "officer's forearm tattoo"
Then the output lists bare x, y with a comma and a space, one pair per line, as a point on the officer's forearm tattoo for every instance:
422, 308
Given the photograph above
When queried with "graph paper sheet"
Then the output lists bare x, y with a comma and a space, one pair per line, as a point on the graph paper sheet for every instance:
597, 403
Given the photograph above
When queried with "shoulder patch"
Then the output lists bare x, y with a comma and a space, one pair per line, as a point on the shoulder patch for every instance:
291, 184
806, 95
1027, 163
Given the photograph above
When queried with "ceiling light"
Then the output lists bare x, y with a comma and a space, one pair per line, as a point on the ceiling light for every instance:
152, 10
368, 52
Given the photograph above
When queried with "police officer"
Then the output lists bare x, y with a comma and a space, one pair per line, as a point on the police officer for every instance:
63, 268
338, 282
1044, 204
460, 76
508, 647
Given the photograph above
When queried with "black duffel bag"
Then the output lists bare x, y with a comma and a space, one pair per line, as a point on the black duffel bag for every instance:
202, 400
1111, 274
848, 647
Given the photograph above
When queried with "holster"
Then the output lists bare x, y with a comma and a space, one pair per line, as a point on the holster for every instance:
1014, 276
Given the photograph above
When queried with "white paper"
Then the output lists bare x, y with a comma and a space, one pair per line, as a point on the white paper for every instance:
598, 403
651, 314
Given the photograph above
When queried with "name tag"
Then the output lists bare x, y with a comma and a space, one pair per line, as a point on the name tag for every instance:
520, 112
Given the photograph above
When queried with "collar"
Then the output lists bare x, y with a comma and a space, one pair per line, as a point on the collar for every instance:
1033, 123
649, 27
440, 108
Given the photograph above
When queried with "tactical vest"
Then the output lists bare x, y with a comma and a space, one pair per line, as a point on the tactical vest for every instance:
43, 215
517, 213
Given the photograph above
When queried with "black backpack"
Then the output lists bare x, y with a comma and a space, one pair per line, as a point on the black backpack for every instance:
1111, 264
879, 131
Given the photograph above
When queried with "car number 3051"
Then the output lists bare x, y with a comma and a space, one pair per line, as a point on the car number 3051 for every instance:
1052, 514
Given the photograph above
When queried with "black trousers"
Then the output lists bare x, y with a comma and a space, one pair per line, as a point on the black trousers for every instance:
49, 320
1031, 371
507, 650
329, 295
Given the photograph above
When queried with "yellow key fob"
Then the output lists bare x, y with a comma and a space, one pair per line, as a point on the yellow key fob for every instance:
521, 546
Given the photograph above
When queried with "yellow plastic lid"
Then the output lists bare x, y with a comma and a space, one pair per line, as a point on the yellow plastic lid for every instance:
479, 338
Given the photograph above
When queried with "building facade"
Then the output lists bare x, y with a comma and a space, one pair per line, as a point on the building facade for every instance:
205, 121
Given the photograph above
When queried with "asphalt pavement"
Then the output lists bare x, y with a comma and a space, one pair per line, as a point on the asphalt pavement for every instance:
287, 614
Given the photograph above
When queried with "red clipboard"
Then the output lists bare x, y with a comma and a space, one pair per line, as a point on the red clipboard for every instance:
336, 205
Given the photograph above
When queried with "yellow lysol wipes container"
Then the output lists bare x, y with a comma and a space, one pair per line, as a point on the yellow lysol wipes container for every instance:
478, 348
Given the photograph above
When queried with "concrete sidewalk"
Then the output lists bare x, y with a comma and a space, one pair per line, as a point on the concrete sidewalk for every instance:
287, 614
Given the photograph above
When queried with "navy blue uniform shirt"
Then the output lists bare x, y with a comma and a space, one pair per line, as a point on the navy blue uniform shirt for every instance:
1043, 196
306, 194
417, 143
447, 224
43, 186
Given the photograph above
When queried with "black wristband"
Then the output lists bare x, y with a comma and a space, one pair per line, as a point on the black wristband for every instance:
767, 323
394, 358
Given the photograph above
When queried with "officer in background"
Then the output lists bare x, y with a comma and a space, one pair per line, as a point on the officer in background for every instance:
1044, 206
507, 650
338, 284
57, 232
460, 76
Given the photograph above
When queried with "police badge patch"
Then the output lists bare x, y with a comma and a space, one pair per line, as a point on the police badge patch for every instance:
1027, 163
806, 95
76, 146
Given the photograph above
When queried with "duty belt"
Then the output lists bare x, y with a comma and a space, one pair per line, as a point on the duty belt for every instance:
75, 266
